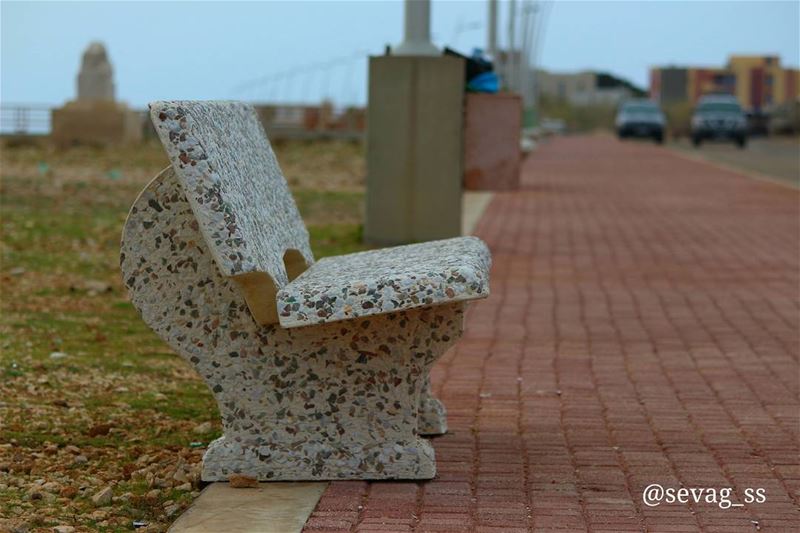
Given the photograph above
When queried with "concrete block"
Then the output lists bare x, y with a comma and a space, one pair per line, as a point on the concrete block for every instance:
414, 149
492, 153
100, 123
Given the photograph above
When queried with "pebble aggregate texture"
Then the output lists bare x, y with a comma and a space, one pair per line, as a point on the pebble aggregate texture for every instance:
233, 182
344, 398
382, 281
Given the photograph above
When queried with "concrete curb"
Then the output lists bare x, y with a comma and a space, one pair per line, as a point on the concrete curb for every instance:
271, 508
730, 168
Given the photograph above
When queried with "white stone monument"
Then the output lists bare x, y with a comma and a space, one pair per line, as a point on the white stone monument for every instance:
95, 79
95, 117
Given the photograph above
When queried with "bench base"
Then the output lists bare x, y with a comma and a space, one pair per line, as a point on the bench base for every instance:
413, 459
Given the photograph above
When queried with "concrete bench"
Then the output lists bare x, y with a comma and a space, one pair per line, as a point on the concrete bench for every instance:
320, 369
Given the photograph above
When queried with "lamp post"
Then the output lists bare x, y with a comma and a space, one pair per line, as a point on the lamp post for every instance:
492, 32
417, 37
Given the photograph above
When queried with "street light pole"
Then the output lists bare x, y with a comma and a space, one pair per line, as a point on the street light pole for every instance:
417, 37
511, 59
491, 45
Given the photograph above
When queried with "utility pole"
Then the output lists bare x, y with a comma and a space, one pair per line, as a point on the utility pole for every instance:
417, 37
491, 45
511, 56
529, 49
522, 74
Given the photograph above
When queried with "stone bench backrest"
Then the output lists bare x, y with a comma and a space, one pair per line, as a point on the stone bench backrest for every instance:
241, 200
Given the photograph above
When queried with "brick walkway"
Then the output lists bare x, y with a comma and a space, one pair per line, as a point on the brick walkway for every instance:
642, 328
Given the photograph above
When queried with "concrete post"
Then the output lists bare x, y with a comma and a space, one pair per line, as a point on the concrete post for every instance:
417, 39
415, 127
491, 45
511, 60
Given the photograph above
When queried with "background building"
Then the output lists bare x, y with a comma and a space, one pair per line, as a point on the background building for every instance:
758, 82
585, 88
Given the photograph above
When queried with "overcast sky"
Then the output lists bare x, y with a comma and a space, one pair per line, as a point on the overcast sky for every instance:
213, 49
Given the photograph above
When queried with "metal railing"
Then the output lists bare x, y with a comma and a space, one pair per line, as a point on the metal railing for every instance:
280, 120
24, 119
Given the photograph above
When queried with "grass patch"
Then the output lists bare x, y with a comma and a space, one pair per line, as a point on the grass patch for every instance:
119, 394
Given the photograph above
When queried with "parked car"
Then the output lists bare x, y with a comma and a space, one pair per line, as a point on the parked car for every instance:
719, 118
640, 118
785, 118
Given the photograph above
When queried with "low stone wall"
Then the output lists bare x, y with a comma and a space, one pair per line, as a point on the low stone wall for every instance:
96, 123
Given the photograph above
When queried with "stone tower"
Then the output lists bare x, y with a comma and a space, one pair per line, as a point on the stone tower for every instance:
95, 79
94, 117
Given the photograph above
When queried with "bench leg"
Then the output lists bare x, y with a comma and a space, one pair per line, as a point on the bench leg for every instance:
336, 401
339, 401
432, 413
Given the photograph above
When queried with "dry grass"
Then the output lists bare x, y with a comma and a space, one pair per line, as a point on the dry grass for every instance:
89, 397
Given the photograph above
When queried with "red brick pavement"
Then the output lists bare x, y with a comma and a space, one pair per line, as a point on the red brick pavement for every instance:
642, 328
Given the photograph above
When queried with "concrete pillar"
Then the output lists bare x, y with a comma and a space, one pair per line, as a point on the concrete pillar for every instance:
417, 37
491, 35
414, 149
511, 57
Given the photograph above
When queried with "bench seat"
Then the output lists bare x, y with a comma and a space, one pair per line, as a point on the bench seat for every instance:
386, 280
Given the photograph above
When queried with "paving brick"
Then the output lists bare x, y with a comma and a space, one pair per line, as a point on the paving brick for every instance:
642, 328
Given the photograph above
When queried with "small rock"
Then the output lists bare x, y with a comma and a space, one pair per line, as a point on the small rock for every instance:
171, 509
63, 529
186, 487
51, 486
68, 492
18, 271
99, 430
205, 427
239, 481
96, 286
58, 355
51, 447
81, 460
180, 476
153, 494
103, 497
99, 515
